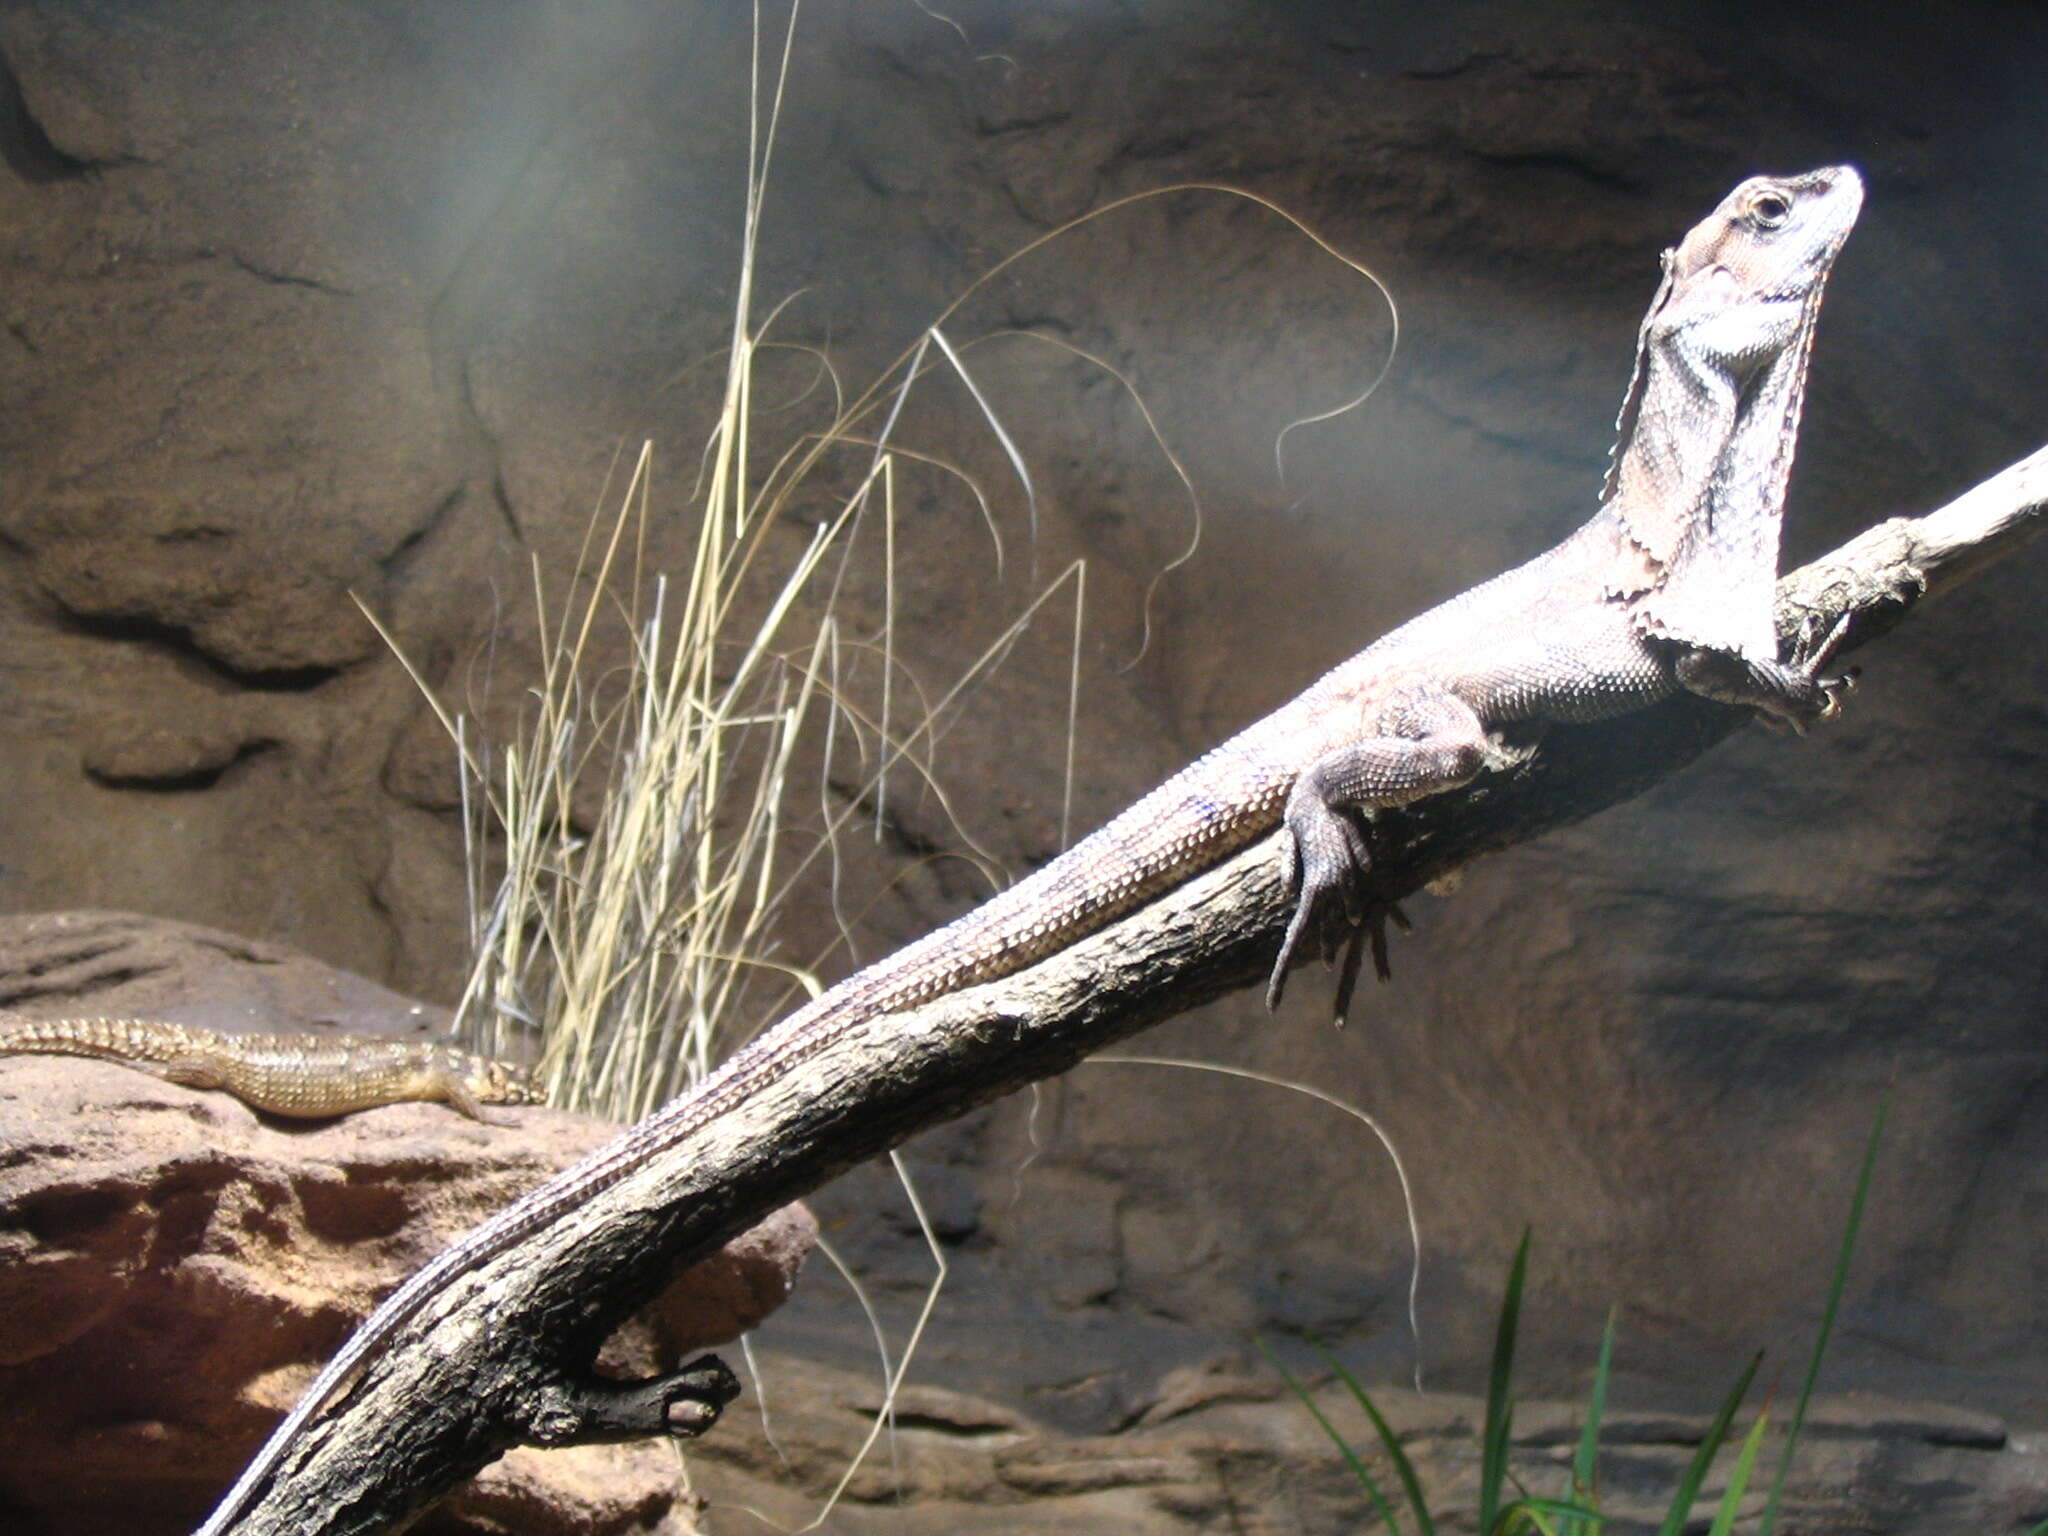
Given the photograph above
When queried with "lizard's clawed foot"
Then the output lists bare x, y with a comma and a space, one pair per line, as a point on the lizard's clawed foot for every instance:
1812, 666
1814, 694
1326, 855
1786, 696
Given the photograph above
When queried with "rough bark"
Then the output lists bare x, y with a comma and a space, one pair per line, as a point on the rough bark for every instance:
502, 1356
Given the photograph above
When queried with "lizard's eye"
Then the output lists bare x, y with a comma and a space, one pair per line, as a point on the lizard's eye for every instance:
1767, 210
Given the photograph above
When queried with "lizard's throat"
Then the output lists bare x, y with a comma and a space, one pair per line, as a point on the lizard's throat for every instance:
1702, 479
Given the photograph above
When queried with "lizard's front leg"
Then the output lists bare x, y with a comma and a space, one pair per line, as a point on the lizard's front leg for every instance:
1423, 742
1793, 694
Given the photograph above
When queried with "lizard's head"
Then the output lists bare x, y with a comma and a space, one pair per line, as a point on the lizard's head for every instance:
498, 1082
1745, 281
488, 1081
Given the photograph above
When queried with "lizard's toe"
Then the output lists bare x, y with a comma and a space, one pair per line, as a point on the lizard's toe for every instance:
1814, 657
1296, 927
1369, 936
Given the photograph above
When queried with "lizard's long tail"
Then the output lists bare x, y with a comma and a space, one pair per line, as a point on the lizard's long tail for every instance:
1219, 803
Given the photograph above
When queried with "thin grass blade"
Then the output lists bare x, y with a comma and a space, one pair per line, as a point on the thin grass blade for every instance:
1586, 1460
1525, 1515
1411, 1485
1738, 1480
1717, 1434
1565, 1512
1493, 1462
1769, 1522
1359, 1470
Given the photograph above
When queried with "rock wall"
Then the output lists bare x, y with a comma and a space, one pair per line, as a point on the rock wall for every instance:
298, 302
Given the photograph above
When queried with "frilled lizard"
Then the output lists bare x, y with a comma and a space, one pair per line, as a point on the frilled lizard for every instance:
1666, 590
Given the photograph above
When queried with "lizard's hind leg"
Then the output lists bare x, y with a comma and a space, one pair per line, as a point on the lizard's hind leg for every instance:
1425, 740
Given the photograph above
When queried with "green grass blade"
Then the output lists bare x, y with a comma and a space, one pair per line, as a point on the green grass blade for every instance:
1524, 1515
1568, 1515
1493, 1462
1411, 1485
1586, 1460
1696, 1474
1738, 1480
2039, 1530
1359, 1470
1769, 1522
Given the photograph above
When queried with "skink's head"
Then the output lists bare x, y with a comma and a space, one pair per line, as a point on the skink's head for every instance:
487, 1081
500, 1083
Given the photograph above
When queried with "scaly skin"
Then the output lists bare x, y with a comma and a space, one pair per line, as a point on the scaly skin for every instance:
308, 1076
1666, 589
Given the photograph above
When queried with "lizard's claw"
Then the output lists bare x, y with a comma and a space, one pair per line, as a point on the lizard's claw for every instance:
1836, 688
1823, 691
